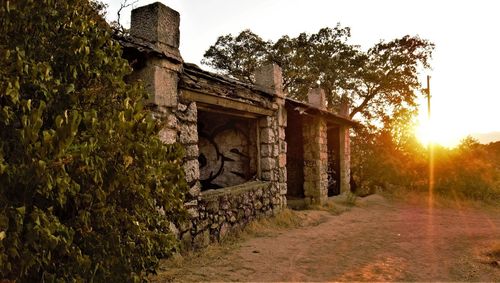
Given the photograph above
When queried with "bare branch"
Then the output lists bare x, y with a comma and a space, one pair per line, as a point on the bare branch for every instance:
123, 6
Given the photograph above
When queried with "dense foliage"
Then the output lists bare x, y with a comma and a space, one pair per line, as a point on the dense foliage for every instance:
82, 172
377, 83
469, 171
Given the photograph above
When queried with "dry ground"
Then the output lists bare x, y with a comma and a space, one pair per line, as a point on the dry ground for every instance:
376, 240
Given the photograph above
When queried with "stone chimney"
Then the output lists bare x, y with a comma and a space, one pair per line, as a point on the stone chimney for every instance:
159, 25
269, 77
344, 106
316, 97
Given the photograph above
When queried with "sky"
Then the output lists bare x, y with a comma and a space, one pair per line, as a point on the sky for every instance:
465, 64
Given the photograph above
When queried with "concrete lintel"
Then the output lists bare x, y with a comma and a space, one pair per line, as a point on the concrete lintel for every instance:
223, 102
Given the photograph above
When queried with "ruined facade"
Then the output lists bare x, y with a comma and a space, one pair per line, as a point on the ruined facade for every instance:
248, 147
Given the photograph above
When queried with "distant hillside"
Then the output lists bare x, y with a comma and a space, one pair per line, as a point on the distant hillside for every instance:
487, 137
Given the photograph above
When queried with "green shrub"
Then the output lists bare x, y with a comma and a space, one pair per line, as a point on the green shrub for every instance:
82, 172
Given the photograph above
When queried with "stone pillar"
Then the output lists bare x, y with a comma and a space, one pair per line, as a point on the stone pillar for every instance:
315, 152
158, 26
272, 134
345, 160
345, 149
316, 97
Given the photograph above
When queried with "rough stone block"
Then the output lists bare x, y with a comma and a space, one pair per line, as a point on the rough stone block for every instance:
270, 77
189, 114
281, 133
266, 201
316, 97
283, 117
258, 205
167, 135
193, 213
161, 84
267, 163
282, 160
266, 150
267, 135
266, 175
192, 203
156, 23
195, 190
188, 134
192, 151
283, 188
192, 170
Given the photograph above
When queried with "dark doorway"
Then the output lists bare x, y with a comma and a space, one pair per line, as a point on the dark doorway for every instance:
294, 156
333, 160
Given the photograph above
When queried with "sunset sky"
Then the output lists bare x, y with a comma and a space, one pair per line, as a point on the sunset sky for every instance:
466, 61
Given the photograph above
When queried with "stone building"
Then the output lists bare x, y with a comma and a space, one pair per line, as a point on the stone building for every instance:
249, 148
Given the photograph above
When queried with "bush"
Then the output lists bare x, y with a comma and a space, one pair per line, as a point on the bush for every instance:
470, 171
82, 172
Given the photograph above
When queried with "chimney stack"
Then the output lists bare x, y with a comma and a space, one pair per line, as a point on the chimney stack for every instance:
316, 97
270, 78
159, 25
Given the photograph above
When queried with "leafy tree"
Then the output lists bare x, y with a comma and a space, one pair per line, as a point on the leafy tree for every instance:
82, 172
378, 82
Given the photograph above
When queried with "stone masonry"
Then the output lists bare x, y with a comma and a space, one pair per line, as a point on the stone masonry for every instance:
181, 93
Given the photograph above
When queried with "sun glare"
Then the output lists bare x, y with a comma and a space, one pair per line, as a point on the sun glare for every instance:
437, 133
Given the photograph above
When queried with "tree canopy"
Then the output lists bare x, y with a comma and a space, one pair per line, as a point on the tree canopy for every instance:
378, 82
82, 171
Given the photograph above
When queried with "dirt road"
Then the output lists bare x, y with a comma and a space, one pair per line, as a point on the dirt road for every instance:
378, 240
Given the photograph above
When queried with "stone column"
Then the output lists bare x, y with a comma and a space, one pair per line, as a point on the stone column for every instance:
345, 160
272, 135
345, 150
316, 97
315, 152
157, 25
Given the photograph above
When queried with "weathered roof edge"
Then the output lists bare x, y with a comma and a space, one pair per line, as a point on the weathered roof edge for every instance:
195, 69
308, 107
146, 47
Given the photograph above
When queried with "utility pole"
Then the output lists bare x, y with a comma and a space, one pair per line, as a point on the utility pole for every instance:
431, 144
428, 91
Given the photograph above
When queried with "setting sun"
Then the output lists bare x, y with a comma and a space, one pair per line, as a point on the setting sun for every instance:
436, 131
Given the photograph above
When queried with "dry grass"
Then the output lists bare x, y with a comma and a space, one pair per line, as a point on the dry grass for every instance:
439, 201
264, 227
331, 207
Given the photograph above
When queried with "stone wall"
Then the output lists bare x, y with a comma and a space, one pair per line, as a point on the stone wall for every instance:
226, 210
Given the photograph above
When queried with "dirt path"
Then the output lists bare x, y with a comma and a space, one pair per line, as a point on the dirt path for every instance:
378, 240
